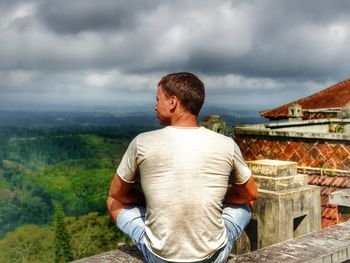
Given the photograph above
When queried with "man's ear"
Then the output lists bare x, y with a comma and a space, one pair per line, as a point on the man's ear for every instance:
173, 103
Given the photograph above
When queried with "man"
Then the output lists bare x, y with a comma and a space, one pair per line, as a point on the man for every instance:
184, 172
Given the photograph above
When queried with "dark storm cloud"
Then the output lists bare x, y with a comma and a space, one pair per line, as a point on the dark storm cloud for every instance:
5, 5
72, 17
277, 39
290, 39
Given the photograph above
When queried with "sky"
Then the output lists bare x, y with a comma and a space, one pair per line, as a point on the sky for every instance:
249, 54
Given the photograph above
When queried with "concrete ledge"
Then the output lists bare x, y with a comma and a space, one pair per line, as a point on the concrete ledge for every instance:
281, 183
327, 245
126, 255
331, 245
272, 168
308, 129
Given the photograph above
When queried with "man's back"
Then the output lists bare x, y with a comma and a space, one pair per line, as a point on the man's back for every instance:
184, 176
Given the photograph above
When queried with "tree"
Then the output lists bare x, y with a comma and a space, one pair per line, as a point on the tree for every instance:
93, 234
63, 249
28, 244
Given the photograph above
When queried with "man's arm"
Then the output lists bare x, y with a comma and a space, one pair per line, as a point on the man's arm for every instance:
121, 195
239, 194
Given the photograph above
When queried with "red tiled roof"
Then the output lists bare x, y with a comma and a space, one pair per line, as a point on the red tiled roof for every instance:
330, 213
324, 200
336, 96
325, 190
328, 222
329, 184
331, 181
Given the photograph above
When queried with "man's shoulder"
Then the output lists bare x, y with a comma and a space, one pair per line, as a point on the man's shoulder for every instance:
151, 134
202, 133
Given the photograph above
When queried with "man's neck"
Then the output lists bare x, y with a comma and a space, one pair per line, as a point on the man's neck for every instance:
184, 120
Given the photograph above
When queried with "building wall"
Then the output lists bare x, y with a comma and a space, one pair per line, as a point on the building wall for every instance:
318, 153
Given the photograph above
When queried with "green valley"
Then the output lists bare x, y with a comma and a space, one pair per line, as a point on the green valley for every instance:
70, 164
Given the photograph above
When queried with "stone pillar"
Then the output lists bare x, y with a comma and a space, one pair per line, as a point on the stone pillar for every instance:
286, 208
214, 123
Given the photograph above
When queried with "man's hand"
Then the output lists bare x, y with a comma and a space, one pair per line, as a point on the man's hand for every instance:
240, 194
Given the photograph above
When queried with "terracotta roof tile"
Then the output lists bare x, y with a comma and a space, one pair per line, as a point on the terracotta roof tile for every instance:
333, 97
345, 181
326, 190
330, 213
312, 179
329, 184
327, 204
323, 180
341, 181
324, 200
327, 223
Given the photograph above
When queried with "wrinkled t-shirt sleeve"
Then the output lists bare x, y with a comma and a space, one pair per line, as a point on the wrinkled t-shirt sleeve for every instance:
240, 171
127, 168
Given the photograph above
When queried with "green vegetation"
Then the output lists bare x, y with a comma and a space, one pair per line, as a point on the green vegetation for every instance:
28, 243
90, 234
336, 127
63, 248
40, 166
72, 168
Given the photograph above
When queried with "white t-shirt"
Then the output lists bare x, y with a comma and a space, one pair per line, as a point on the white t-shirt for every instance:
184, 175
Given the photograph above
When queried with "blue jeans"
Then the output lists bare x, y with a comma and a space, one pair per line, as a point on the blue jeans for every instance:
131, 221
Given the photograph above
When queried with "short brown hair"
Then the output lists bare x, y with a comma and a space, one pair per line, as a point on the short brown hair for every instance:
187, 87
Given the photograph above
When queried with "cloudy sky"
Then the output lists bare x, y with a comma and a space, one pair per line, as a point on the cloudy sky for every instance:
257, 54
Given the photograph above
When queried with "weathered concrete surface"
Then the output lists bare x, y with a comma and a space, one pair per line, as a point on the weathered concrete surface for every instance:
272, 168
277, 213
327, 245
341, 197
125, 255
281, 182
287, 206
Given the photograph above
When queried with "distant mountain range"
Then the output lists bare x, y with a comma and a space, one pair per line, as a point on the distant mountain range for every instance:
140, 116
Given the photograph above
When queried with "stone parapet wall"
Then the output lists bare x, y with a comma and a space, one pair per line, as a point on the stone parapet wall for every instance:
328, 245
122, 255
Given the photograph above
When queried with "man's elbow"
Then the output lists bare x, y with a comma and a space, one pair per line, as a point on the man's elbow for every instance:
254, 194
115, 196
109, 202
253, 189
119, 197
